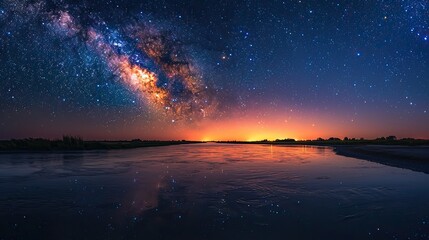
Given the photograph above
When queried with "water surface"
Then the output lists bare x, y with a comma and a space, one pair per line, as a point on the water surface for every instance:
209, 191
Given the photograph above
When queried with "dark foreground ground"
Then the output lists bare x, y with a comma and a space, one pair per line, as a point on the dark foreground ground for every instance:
406, 153
409, 154
415, 158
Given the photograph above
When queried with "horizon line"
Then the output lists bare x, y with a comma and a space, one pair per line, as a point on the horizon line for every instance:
388, 138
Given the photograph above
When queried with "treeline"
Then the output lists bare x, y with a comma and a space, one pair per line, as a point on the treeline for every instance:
77, 143
380, 140
389, 140
67, 142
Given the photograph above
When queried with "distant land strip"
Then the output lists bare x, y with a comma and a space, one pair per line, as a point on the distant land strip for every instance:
68, 143
406, 153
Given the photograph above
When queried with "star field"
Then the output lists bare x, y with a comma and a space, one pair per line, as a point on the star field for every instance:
168, 69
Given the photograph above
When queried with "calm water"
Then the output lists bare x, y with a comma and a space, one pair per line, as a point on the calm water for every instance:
209, 191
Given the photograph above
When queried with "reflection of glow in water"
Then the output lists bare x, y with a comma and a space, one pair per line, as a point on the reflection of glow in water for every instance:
211, 190
144, 196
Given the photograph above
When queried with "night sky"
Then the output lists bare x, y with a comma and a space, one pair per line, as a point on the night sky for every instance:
214, 70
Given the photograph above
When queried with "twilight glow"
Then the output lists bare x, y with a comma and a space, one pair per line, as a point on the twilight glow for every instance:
235, 70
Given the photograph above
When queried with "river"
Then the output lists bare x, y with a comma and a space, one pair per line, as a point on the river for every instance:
209, 191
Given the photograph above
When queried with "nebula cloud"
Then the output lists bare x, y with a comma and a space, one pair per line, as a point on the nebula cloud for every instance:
149, 62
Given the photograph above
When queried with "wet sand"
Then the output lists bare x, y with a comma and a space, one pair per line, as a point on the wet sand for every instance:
414, 158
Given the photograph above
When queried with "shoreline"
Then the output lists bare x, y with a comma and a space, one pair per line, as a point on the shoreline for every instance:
53, 146
415, 158
411, 155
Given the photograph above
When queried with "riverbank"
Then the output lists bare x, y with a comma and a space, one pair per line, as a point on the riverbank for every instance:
73, 144
407, 153
415, 158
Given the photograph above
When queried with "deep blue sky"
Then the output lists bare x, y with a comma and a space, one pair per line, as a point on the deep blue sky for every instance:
359, 65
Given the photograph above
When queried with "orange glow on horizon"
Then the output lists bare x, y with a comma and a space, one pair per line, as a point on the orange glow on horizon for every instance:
299, 126
248, 129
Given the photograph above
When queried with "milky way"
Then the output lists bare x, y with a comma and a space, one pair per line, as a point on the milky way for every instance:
161, 69
154, 65
176, 87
